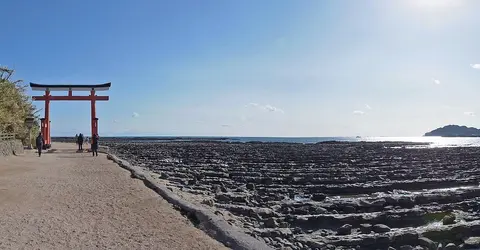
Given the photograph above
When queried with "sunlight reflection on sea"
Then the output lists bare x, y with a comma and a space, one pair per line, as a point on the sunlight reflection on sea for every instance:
434, 142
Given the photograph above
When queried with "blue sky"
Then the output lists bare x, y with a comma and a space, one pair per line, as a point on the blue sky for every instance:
253, 68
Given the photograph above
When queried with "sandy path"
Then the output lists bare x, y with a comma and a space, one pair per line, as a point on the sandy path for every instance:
68, 200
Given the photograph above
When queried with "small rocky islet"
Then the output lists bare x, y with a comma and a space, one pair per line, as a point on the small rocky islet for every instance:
328, 195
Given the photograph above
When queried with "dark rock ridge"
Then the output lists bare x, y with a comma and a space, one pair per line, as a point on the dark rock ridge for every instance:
328, 196
455, 131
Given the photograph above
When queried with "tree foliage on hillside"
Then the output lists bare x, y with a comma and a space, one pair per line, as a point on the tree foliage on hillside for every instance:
15, 106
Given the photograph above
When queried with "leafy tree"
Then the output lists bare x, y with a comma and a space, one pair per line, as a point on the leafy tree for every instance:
15, 106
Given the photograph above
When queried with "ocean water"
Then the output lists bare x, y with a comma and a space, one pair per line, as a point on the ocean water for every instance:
432, 141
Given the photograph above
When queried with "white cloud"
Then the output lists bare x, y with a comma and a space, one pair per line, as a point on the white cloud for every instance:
272, 109
436, 81
475, 66
115, 121
135, 114
252, 104
367, 106
225, 125
266, 107
469, 113
358, 112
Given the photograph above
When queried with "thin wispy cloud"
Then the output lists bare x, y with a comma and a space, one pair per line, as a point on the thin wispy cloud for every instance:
358, 112
115, 121
273, 109
475, 66
469, 113
135, 115
252, 104
367, 106
226, 125
436, 81
266, 107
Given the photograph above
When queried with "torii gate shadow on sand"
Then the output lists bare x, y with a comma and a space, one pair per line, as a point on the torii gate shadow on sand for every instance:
45, 121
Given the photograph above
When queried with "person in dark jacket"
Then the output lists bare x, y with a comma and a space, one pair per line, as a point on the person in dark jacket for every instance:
94, 144
39, 143
80, 141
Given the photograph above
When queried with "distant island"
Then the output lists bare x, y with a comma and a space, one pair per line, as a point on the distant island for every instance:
455, 131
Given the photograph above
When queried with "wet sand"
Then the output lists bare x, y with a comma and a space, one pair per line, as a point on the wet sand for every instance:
68, 200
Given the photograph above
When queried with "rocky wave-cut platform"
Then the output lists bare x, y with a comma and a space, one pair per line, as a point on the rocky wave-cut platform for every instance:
328, 195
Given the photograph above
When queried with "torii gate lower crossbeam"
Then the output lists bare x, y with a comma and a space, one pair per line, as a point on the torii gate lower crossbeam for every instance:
45, 122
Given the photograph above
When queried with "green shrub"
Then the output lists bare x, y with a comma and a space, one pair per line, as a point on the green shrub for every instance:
15, 107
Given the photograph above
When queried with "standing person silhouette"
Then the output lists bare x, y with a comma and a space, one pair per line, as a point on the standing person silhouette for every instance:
80, 141
94, 144
76, 138
39, 143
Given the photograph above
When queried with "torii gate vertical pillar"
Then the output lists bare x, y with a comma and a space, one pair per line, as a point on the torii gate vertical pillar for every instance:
46, 133
94, 120
95, 125
42, 126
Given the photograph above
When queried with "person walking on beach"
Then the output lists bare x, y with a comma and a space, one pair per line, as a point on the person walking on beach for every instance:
80, 141
39, 143
76, 139
94, 144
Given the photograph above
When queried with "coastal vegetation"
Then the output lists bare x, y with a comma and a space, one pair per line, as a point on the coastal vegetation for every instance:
15, 106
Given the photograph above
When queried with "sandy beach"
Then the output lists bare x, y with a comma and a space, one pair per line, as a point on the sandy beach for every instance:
68, 200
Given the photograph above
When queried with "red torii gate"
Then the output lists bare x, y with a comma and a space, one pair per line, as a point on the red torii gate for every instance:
45, 122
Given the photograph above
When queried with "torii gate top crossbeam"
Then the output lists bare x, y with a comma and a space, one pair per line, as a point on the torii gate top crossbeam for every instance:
45, 87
